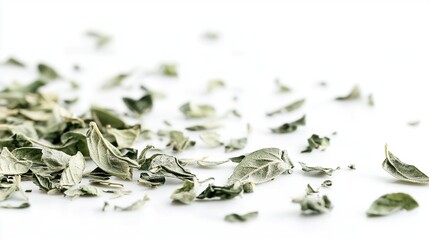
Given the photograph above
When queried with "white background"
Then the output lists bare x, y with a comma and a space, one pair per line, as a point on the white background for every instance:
383, 46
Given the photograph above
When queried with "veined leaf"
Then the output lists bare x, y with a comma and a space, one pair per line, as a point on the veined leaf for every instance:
179, 142
391, 203
125, 138
403, 171
106, 156
73, 173
236, 144
289, 127
10, 165
261, 166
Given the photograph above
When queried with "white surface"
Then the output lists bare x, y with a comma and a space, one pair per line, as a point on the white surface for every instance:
381, 46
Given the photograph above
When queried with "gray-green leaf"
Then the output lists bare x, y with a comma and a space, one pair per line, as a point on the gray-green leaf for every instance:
192, 110
391, 203
73, 173
236, 144
317, 169
106, 156
401, 170
288, 108
179, 142
187, 193
289, 127
354, 94
212, 139
314, 204
316, 142
261, 166
134, 206
10, 165
234, 217
139, 106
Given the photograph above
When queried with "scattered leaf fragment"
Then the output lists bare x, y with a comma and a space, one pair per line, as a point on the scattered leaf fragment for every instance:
234, 217
391, 203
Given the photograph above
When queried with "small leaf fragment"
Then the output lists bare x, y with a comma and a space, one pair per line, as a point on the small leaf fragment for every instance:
288, 108
236, 144
134, 206
324, 170
316, 142
234, 217
353, 95
289, 127
192, 110
314, 204
187, 193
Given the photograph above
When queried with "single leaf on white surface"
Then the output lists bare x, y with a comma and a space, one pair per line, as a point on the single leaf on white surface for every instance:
124, 138
403, 171
261, 166
314, 204
187, 193
288, 108
318, 169
234, 217
391, 203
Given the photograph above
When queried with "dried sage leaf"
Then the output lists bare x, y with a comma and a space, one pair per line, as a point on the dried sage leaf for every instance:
202, 162
314, 204
212, 139
105, 117
19, 206
281, 87
105, 183
288, 108
47, 73
10, 165
187, 193
151, 180
192, 110
179, 142
83, 190
73, 173
401, 170
106, 156
204, 126
326, 183
354, 94
234, 217
169, 70
15, 186
289, 127
316, 142
317, 169
391, 203
117, 193
139, 106
101, 39
261, 166
14, 62
216, 84
221, 192
166, 166
236, 144
124, 138
371, 100
134, 206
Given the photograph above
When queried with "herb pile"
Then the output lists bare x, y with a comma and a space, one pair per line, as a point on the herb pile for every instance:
43, 141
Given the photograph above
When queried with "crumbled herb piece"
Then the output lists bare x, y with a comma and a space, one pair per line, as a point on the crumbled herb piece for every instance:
187, 193
354, 94
83, 190
165, 166
101, 39
179, 142
105, 183
314, 204
324, 170
115, 81
134, 206
204, 126
47, 73
234, 217
326, 183
223, 193
140, 106
212, 139
281, 87
151, 180
414, 123
20, 206
401, 170
202, 162
14, 62
288, 108
117, 193
371, 100
289, 127
192, 110
316, 142
236, 144
391, 203
216, 84
169, 70
352, 167
261, 166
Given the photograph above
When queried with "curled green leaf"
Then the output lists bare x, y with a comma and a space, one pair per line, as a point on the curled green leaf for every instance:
391, 203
